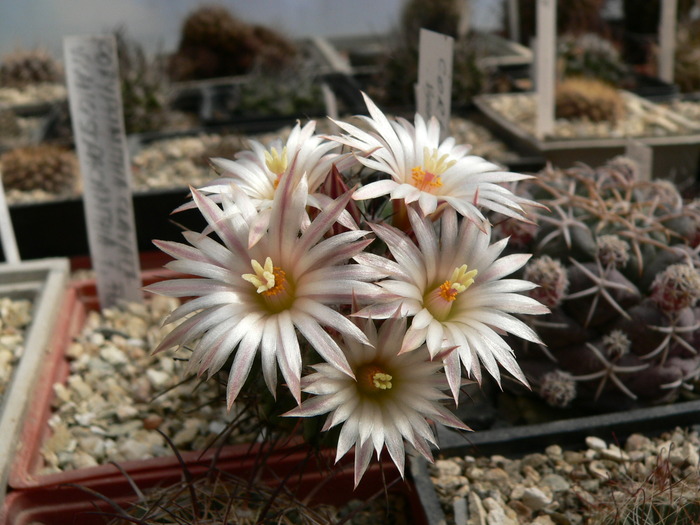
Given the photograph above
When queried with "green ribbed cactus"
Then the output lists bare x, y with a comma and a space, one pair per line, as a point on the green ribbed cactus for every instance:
616, 260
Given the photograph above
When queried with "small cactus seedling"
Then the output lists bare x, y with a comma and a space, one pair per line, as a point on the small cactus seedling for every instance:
43, 167
616, 261
23, 67
579, 97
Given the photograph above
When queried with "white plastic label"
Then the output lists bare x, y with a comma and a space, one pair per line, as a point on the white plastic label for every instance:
667, 39
643, 155
545, 66
98, 126
7, 232
434, 90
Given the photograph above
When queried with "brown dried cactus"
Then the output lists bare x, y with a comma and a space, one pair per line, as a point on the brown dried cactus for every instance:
44, 167
24, 67
579, 97
214, 43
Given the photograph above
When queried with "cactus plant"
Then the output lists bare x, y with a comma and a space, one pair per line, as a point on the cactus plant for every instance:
214, 43
616, 260
579, 97
686, 71
222, 498
44, 167
591, 56
24, 67
143, 86
398, 72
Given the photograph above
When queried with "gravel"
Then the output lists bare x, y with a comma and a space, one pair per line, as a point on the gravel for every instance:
576, 487
35, 94
15, 317
640, 120
117, 393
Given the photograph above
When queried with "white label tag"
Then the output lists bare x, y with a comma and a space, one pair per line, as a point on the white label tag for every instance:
7, 232
643, 155
434, 90
667, 39
545, 66
98, 126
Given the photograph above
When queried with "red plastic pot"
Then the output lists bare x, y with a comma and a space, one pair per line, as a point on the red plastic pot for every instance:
80, 298
60, 505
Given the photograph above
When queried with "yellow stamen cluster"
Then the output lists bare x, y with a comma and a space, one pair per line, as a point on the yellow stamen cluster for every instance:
461, 280
382, 381
277, 163
268, 279
439, 300
372, 379
427, 177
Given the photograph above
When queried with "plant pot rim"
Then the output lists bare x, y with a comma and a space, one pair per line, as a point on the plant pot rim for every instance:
549, 144
29, 506
45, 281
80, 297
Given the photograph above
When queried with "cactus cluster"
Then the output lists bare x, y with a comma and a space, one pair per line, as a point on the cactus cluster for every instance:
590, 55
143, 86
25, 67
588, 98
394, 83
42, 167
686, 71
214, 43
616, 261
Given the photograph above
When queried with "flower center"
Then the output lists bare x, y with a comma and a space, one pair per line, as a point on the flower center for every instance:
439, 300
372, 379
427, 177
271, 283
276, 162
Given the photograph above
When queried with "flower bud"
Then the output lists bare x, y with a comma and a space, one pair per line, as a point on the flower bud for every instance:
551, 277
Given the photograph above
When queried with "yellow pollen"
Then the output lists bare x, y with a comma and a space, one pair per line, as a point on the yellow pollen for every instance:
460, 280
381, 381
277, 163
424, 180
268, 279
427, 177
372, 379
